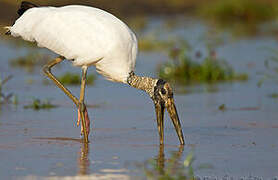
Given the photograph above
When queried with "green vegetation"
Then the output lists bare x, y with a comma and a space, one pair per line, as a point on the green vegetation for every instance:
75, 79
222, 107
7, 98
29, 61
171, 169
239, 16
273, 95
245, 11
183, 69
24, 61
153, 44
37, 104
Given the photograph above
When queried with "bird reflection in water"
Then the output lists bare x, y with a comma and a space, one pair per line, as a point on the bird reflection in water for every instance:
161, 167
83, 160
174, 160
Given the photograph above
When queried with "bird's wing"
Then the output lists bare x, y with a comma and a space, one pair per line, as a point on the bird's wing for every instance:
87, 35
71, 33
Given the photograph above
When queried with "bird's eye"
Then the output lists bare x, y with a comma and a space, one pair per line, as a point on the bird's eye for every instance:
163, 91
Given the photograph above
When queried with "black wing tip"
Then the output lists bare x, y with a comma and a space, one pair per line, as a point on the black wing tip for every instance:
25, 5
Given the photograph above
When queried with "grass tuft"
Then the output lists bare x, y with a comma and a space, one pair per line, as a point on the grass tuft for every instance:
150, 43
75, 79
222, 107
182, 69
245, 11
241, 17
29, 61
172, 168
37, 104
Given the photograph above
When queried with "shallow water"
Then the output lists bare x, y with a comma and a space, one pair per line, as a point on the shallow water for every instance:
239, 142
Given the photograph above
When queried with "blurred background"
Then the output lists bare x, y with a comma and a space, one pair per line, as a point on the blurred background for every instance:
221, 57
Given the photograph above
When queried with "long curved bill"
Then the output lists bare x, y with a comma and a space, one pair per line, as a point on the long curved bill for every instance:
171, 108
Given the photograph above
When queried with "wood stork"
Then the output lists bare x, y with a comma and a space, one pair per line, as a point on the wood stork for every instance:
90, 36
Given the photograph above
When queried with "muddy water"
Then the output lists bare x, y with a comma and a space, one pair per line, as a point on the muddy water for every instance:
238, 142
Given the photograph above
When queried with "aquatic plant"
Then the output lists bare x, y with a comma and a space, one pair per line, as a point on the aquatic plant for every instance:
7, 98
273, 95
75, 79
29, 61
241, 17
169, 169
183, 69
38, 104
245, 11
151, 43
23, 61
222, 107
172, 168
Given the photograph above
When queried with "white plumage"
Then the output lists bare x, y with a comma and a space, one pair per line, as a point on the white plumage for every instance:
86, 35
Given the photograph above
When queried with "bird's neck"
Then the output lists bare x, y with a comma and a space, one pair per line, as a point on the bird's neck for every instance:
144, 83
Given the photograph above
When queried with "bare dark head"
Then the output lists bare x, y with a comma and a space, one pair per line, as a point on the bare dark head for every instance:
162, 94
163, 98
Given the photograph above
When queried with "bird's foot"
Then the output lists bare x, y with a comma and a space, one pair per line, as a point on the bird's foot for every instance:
86, 118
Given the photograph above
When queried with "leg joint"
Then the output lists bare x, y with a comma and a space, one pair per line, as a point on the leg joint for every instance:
82, 106
46, 69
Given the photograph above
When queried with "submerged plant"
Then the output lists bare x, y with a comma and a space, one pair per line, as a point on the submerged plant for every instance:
169, 169
172, 168
6, 98
37, 104
183, 69
74, 79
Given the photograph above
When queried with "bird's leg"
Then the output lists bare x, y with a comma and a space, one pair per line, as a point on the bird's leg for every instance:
82, 110
47, 71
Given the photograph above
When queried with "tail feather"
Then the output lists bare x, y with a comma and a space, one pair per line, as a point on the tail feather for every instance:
24, 7
8, 32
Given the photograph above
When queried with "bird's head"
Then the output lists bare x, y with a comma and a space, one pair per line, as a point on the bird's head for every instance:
163, 98
162, 95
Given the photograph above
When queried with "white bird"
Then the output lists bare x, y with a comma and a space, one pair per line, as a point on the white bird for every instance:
90, 36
